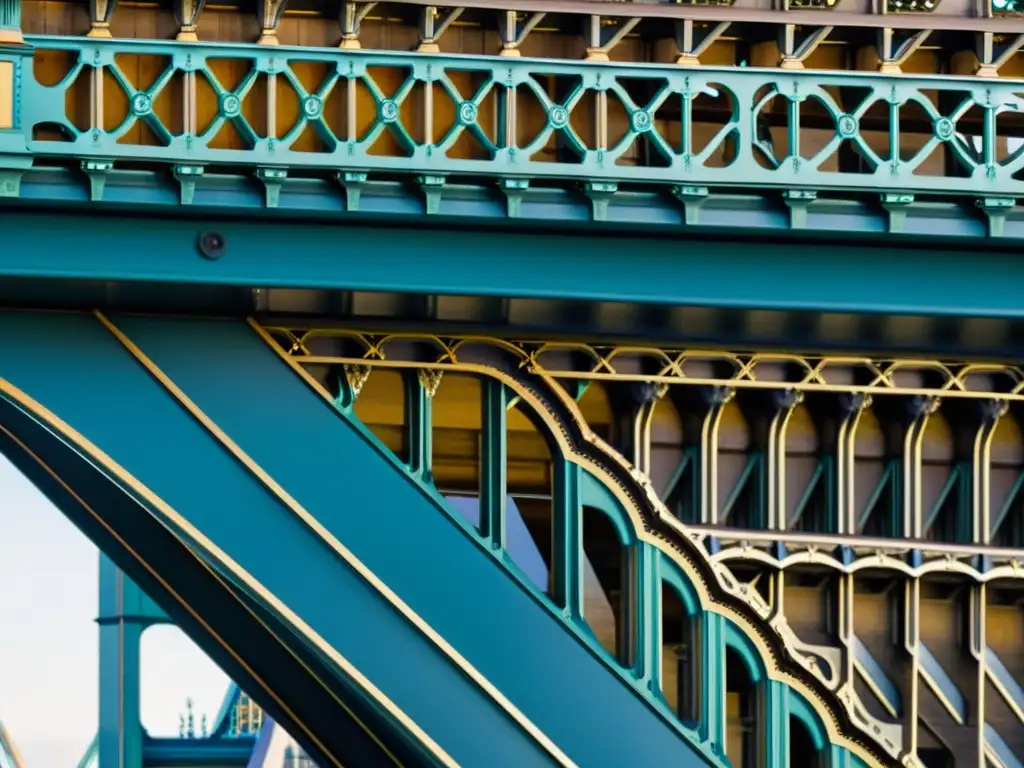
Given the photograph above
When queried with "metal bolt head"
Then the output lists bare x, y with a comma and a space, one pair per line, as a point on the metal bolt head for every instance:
312, 106
388, 111
558, 117
211, 245
467, 113
230, 105
142, 104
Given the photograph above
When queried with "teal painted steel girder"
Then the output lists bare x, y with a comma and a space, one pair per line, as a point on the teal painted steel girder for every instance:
722, 275
415, 548
734, 213
750, 92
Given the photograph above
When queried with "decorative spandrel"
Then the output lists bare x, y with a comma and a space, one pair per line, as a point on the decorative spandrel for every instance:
436, 117
856, 505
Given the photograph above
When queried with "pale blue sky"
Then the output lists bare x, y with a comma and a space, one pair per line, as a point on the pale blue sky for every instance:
49, 640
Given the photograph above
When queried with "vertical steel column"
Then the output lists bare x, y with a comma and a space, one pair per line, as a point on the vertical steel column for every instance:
645, 621
125, 612
775, 713
920, 410
851, 409
567, 539
419, 391
712, 679
782, 403
493, 463
912, 644
979, 650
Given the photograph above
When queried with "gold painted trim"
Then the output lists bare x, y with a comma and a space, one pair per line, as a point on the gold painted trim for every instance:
184, 604
814, 372
336, 545
449, 362
211, 550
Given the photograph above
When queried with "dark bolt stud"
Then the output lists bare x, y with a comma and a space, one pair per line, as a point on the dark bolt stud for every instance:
211, 245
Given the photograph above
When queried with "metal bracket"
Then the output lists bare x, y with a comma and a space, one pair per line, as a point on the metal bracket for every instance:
432, 187
512, 33
10, 182
603, 36
893, 53
100, 12
692, 199
269, 13
97, 171
993, 53
896, 205
352, 15
798, 200
187, 175
996, 209
431, 30
514, 190
692, 45
272, 179
12, 167
353, 182
600, 194
796, 44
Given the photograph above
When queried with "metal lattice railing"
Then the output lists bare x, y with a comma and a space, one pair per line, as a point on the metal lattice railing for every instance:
531, 119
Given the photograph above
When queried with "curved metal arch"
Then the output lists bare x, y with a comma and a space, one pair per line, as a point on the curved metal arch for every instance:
801, 709
596, 495
752, 660
579, 445
134, 497
671, 575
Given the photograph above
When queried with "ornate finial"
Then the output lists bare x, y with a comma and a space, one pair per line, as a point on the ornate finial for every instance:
181, 726
430, 380
191, 731
203, 729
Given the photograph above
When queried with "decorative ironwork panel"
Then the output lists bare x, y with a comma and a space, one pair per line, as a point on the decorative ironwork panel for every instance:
440, 116
858, 505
